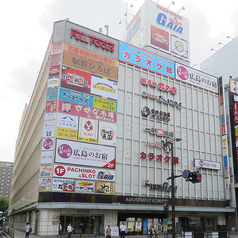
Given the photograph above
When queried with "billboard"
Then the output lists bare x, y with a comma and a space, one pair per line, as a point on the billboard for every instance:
84, 186
195, 77
75, 79
63, 185
160, 28
88, 130
146, 60
105, 187
107, 133
91, 65
87, 100
76, 172
79, 153
45, 170
86, 111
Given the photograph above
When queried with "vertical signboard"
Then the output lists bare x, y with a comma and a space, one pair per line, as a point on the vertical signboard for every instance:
224, 135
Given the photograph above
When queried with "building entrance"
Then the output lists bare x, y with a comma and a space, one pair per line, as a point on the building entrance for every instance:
83, 224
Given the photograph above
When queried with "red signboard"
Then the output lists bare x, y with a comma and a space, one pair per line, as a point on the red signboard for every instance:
75, 79
86, 111
235, 108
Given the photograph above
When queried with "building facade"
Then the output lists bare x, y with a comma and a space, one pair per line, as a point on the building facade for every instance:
6, 176
91, 148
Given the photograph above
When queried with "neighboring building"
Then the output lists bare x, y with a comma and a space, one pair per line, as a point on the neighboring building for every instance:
6, 176
91, 144
223, 62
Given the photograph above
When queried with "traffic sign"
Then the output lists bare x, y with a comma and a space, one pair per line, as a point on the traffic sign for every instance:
185, 174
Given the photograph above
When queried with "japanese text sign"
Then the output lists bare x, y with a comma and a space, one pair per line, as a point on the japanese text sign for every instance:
149, 61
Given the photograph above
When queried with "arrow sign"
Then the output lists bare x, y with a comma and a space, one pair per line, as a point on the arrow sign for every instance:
185, 174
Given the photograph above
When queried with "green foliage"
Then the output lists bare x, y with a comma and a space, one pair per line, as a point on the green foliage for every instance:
4, 202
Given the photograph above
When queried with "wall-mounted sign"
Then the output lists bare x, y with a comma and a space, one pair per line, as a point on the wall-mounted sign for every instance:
92, 40
46, 157
44, 184
85, 111
64, 171
64, 185
56, 49
51, 106
47, 143
50, 116
162, 187
207, 164
75, 152
54, 70
179, 46
162, 99
49, 129
233, 86
144, 59
83, 186
107, 133
155, 114
53, 82
235, 109
195, 77
160, 86
105, 187
152, 156
52, 94
45, 170
159, 132
88, 130
55, 59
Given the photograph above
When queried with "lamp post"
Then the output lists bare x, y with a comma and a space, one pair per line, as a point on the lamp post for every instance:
170, 145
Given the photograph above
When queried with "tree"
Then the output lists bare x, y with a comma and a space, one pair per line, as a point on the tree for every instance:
4, 202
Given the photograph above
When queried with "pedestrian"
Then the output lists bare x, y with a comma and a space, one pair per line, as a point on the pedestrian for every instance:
69, 229
123, 230
108, 232
27, 230
60, 230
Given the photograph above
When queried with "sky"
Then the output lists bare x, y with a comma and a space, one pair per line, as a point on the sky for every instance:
26, 27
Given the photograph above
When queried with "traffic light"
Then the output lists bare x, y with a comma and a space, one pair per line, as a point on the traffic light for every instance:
194, 177
166, 207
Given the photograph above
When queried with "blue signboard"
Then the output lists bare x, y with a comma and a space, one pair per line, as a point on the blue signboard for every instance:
76, 97
144, 59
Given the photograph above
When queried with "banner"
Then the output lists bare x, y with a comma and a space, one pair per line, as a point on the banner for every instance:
79, 153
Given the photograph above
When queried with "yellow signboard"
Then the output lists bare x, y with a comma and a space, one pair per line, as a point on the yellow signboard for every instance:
66, 133
105, 104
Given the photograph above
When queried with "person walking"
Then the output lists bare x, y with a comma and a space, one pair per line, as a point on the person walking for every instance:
123, 230
108, 232
60, 230
69, 229
27, 230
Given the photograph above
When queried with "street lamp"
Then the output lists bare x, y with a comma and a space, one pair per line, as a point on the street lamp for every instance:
170, 145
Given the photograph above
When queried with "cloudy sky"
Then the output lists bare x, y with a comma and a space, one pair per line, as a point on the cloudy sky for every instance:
26, 27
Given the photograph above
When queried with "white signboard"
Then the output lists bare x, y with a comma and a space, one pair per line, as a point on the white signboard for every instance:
53, 82
74, 172
45, 170
84, 186
50, 116
207, 164
88, 129
46, 157
64, 185
107, 133
79, 153
49, 129
195, 77
67, 121
103, 87
44, 184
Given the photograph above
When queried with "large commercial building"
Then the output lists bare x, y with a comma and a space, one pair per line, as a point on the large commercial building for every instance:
92, 151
